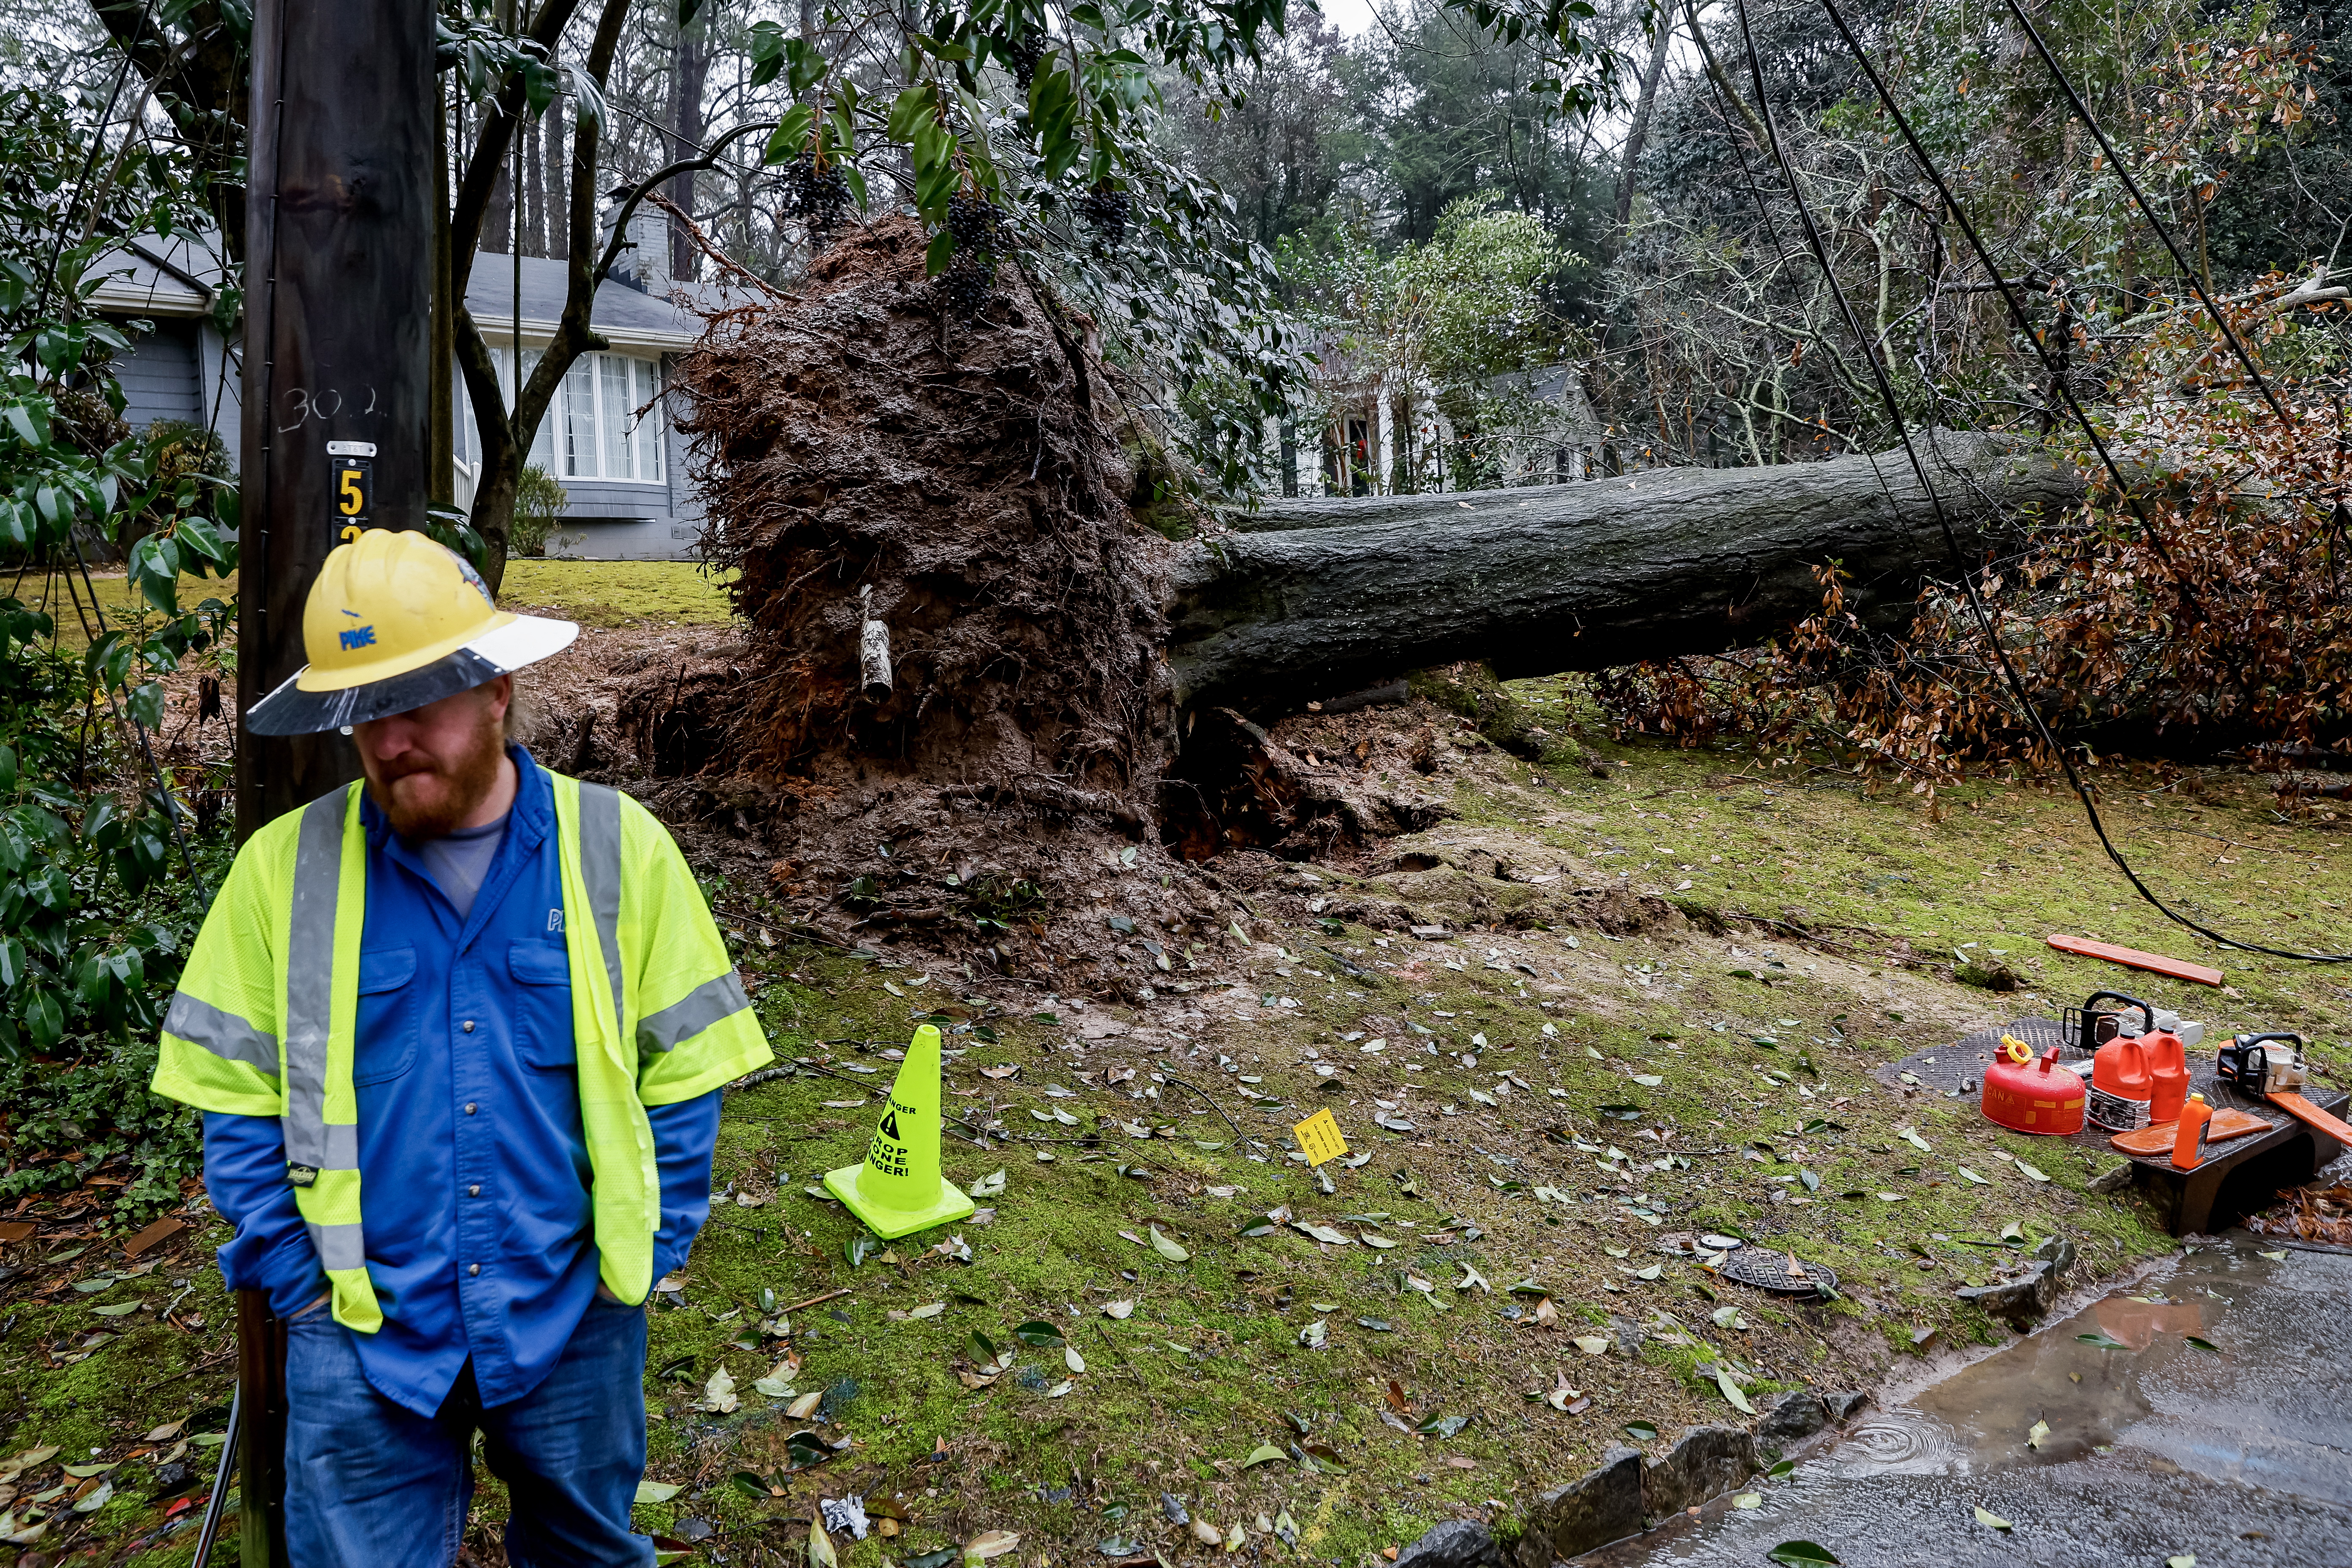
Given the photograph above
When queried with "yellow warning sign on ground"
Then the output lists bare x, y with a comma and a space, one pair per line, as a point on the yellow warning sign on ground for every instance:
1319, 1136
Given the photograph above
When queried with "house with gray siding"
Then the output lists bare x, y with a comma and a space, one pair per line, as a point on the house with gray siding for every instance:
607, 437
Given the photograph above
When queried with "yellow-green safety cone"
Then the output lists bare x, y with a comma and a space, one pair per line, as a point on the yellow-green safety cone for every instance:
899, 1190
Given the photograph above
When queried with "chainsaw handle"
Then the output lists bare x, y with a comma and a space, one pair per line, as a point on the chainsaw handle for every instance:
2147, 1013
2259, 1039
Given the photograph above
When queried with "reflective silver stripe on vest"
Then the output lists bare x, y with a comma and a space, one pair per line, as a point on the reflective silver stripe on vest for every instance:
600, 867
338, 1245
697, 1011
222, 1032
309, 992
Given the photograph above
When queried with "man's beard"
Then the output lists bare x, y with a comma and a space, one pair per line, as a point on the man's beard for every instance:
424, 802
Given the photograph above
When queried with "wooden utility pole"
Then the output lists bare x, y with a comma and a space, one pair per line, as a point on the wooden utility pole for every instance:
339, 255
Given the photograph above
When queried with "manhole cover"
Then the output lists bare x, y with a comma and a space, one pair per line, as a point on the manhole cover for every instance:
1782, 1272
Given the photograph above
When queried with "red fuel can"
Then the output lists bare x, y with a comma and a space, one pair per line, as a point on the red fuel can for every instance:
2030, 1094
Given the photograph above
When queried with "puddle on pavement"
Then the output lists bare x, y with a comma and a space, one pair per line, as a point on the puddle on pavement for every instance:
2251, 1438
1977, 1421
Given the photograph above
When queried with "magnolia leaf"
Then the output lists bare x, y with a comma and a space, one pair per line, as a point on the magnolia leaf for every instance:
1591, 1344
1802, 1554
1072, 1359
1731, 1390
2102, 1341
2202, 1344
1168, 1249
988, 1186
1313, 1335
2034, 1435
1748, 1499
1118, 1308
1264, 1454
2028, 1172
656, 1491
1640, 1431
994, 1544
719, 1393
1985, 1517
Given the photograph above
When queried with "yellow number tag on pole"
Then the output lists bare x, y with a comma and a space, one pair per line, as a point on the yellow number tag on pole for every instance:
1319, 1136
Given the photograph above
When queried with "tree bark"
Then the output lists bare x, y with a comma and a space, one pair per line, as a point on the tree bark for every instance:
689, 123
1638, 131
1327, 597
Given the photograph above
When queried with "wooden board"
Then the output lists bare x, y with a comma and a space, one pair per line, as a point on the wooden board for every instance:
2132, 958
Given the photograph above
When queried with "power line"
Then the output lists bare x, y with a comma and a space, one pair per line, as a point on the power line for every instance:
1952, 542
2082, 112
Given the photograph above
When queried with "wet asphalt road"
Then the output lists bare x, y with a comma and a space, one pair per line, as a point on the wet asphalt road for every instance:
2156, 1448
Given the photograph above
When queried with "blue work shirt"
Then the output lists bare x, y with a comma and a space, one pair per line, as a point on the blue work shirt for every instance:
474, 1172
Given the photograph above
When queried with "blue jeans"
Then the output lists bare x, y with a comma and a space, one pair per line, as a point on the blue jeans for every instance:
368, 1482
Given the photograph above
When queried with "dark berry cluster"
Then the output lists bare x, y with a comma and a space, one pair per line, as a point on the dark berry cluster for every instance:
1022, 52
978, 229
818, 196
1108, 208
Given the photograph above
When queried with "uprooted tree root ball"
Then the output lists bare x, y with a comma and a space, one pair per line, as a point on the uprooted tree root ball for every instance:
877, 467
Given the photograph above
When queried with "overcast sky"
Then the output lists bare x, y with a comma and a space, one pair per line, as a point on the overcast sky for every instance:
1350, 17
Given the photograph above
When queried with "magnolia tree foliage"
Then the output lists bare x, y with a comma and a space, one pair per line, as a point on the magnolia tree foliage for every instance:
89, 937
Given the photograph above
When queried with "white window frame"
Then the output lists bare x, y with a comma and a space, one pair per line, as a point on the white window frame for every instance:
639, 441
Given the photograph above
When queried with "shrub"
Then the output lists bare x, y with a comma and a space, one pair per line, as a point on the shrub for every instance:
538, 509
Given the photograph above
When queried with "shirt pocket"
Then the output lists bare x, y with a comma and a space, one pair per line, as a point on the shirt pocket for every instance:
544, 1034
386, 1043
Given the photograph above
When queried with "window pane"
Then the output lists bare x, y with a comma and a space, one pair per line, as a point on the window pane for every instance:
615, 420
542, 436
580, 419
650, 444
461, 434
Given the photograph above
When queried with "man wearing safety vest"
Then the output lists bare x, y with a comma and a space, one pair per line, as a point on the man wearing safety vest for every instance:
458, 1036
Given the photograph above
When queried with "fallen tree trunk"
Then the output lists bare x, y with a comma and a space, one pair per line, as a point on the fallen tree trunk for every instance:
1324, 597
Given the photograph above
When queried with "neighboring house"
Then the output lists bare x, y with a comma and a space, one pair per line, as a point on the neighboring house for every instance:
181, 369
607, 438
1382, 432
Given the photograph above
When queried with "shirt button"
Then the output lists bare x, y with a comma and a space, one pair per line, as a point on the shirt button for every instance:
469, 1107
468, 1026
474, 1192
473, 1268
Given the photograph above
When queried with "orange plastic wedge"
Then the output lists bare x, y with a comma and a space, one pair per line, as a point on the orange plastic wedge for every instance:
2152, 1141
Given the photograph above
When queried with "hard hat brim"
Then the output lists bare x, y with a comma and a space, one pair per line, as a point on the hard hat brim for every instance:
517, 641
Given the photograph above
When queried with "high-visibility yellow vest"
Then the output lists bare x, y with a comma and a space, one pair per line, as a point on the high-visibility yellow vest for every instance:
264, 1020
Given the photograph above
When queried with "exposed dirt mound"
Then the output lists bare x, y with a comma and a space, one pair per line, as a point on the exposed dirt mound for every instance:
868, 457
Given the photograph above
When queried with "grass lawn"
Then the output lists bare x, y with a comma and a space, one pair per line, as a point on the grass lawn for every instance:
608, 593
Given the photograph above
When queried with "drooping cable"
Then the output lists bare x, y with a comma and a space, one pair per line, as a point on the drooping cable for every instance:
2025, 327
2082, 112
1943, 521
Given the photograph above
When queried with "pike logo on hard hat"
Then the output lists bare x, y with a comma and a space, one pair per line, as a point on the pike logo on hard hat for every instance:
427, 629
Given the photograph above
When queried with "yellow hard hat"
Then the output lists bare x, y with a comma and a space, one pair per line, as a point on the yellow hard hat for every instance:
395, 621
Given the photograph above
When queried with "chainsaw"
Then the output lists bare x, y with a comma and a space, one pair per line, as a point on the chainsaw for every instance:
2272, 1068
